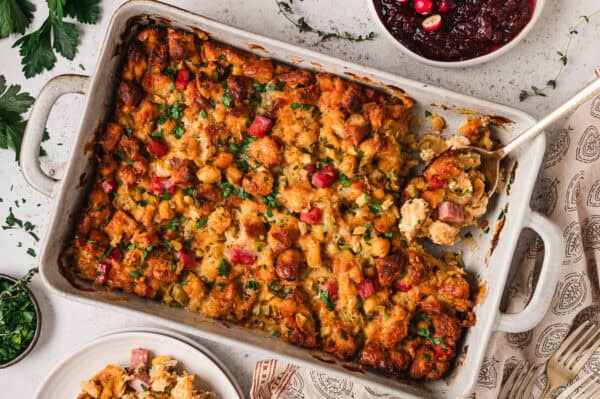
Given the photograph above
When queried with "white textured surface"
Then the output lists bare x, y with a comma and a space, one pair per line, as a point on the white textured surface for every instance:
67, 325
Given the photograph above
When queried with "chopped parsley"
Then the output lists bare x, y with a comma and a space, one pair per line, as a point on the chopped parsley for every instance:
227, 99
324, 295
17, 317
228, 189
251, 285
201, 222
135, 274
278, 290
301, 106
203, 114
223, 269
275, 86
344, 180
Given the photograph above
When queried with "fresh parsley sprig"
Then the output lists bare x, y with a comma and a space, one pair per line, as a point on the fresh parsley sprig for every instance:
15, 16
285, 9
13, 103
563, 59
37, 49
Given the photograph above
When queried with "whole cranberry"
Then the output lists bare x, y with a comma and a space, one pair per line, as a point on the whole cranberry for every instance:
186, 258
423, 7
311, 216
446, 5
242, 256
325, 177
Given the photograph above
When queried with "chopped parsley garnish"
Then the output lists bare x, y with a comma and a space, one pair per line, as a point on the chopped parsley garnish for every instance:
251, 285
259, 87
374, 207
275, 86
228, 189
135, 274
203, 114
301, 106
360, 154
427, 114
223, 269
427, 357
227, 99
279, 291
17, 317
173, 224
423, 332
201, 222
344, 180
389, 234
188, 191
324, 294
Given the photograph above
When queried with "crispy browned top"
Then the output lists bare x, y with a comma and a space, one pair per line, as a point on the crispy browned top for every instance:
259, 193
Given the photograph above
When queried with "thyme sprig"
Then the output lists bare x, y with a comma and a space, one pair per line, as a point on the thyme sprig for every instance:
285, 9
563, 59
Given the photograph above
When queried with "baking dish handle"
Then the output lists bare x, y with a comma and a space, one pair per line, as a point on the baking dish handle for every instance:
30, 148
536, 309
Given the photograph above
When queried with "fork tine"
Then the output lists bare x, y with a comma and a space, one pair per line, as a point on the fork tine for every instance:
567, 342
576, 346
583, 382
593, 392
510, 382
525, 389
585, 356
587, 350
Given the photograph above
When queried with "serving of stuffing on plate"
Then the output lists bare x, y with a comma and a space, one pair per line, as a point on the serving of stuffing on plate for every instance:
158, 378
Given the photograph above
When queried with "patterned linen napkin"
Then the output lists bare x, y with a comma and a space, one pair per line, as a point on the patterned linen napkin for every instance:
568, 192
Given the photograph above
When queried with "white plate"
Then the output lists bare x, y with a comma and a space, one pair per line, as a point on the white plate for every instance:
64, 381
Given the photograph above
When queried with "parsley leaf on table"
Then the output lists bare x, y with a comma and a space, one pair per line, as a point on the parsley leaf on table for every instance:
85, 11
15, 16
13, 103
36, 48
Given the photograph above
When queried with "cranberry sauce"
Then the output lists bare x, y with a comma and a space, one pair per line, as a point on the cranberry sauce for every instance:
468, 28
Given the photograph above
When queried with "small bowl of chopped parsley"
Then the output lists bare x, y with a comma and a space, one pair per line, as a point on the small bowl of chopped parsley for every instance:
20, 319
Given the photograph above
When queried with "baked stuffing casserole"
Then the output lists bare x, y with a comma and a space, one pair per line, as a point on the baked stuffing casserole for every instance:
266, 195
158, 378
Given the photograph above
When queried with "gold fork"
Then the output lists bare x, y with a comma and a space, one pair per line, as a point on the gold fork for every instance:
571, 356
520, 382
587, 388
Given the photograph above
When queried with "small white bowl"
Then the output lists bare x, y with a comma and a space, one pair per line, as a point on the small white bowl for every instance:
539, 6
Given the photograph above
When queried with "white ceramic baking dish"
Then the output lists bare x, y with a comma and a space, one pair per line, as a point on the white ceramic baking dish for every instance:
490, 272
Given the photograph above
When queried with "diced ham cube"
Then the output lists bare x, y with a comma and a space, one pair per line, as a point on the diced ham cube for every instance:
311, 216
139, 358
325, 177
366, 288
141, 382
108, 186
242, 256
158, 148
183, 77
160, 185
450, 212
102, 271
186, 258
331, 287
310, 168
260, 126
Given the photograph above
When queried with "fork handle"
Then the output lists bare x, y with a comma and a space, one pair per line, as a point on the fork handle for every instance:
547, 391
574, 102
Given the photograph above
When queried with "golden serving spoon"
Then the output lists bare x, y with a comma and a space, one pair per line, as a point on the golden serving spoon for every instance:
490, 160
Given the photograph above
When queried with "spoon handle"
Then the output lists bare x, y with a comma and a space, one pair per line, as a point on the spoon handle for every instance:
578, 99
